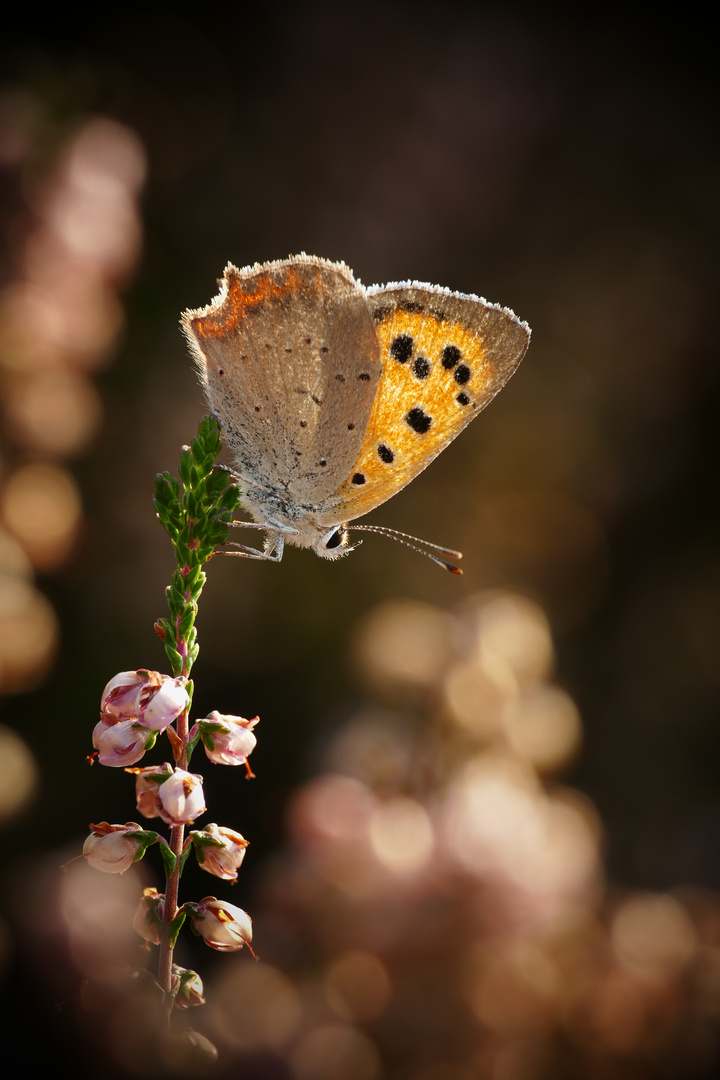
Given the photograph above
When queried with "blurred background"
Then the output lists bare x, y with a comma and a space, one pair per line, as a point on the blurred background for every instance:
486, 821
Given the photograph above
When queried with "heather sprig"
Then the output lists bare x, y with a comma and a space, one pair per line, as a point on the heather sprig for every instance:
196, 518
139, 706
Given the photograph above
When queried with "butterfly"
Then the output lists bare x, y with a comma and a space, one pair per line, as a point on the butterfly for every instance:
332, 396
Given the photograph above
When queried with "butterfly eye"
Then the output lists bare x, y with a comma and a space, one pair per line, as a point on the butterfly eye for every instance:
337, 539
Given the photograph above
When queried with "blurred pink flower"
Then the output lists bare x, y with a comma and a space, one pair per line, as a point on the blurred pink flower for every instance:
147, 920
188, 987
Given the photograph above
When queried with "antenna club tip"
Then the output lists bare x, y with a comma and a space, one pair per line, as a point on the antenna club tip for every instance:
454, 569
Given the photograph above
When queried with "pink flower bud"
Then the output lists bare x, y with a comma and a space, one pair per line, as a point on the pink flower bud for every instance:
154, 699
112, 848
220, 851
123, 743
147, 784
187, 987
121, 697
180, 799
223, 926
148, 917
228, 740
165, 704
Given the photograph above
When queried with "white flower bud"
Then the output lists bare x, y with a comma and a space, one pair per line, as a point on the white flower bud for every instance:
147, 784
228, 740
180, 798
148, 917
111, 848
222, 926
166, 704
219, 850
121, 744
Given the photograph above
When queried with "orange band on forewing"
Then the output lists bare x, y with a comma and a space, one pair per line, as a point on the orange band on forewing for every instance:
237, 301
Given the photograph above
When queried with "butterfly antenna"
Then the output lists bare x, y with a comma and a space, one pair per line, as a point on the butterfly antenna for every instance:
413, 542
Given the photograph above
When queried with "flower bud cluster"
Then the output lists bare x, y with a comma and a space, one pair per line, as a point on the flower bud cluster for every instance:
135, 708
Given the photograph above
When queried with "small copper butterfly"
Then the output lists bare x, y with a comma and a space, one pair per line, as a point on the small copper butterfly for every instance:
332, 397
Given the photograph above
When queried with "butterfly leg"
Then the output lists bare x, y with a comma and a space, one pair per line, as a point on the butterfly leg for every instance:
274, 542
273, 552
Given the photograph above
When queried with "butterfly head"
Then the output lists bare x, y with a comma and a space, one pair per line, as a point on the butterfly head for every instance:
334, 543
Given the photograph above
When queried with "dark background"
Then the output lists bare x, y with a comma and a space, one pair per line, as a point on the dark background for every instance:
565, 165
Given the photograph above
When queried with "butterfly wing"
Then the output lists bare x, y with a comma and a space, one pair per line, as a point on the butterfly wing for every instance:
290, 361
444, 357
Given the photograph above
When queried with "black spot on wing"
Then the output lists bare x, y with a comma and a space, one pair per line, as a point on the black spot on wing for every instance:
450, 357
418, 420
401, 348
421, 367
